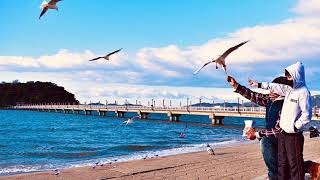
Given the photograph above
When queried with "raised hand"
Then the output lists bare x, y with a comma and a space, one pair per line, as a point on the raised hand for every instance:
252, 83
232, 82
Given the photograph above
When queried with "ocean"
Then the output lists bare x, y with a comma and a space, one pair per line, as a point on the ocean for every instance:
38, 141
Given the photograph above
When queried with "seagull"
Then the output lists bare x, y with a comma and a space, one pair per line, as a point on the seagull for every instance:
210, 150
221, 60
145, 157
51, 5
56, 172
130, 120
106, 57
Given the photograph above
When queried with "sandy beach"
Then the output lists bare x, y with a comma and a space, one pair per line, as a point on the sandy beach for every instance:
236, 162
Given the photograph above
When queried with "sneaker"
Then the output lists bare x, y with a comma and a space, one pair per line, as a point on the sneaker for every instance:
315, 172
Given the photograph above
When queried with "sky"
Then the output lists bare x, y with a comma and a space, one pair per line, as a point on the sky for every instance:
163, 42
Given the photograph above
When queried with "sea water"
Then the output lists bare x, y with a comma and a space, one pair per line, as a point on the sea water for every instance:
37, 141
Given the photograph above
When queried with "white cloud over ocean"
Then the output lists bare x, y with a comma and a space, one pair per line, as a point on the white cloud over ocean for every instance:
271, 48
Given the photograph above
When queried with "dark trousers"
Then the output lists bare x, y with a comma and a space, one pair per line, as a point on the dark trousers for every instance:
290, 156
269, 148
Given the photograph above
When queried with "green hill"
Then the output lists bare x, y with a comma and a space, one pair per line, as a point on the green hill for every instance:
33, 93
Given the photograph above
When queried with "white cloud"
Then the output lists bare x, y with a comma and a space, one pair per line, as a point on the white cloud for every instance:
64, 59
293, 39
307, 7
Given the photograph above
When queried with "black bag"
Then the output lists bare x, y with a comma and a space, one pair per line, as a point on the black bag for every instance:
314, 132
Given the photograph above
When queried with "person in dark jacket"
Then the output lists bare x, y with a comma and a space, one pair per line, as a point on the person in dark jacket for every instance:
268, 138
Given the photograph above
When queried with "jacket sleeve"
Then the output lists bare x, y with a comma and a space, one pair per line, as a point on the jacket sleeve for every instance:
270, 133
259, 98
306, 111
280, 89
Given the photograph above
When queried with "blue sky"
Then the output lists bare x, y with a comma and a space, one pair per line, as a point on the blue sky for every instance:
105, 25
163, 43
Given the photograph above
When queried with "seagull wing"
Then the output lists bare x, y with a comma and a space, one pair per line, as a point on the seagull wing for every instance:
96, 58
43, 12
230, 50
197, 71
114, 52
53, 2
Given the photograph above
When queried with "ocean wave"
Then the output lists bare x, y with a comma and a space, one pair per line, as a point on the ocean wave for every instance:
18, 169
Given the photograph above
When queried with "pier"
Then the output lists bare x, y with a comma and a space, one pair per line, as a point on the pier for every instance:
216, 114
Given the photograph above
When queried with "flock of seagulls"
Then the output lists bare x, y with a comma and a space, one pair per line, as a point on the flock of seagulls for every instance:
220, 61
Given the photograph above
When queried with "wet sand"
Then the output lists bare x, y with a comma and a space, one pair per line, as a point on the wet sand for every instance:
236, 162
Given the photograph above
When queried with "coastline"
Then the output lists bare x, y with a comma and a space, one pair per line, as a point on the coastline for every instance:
242, 161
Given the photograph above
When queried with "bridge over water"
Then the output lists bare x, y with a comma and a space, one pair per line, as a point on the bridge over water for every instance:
216, 114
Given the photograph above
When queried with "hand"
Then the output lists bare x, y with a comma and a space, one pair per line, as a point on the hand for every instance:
273, 96
251, 134
232, 82
252, 83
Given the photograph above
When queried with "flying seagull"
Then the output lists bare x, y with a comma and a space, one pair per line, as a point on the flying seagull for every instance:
130, 120
106, 57
210, 150
221, 60
51, 5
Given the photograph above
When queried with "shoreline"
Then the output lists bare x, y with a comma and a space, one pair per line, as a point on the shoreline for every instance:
242, 161
191, 148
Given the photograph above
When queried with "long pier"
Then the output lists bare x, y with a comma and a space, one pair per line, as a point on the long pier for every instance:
216, 114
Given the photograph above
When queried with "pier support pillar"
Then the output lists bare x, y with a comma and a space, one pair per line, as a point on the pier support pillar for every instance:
173, 117
102, 113
120, 114
143, 115
216, 120
87, 112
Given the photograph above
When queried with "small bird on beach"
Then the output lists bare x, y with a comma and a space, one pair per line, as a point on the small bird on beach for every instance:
145, 157
56, 172
210, 150
51, 5
106, 57
96, 164
221, 60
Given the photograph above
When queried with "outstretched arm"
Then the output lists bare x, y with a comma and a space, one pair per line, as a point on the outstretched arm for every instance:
280, 89
259, 98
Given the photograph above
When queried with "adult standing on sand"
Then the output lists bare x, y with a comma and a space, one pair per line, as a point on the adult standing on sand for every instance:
296, 113
269, 142
273, 104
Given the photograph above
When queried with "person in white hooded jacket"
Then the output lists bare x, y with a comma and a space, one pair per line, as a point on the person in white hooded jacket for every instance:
295, 114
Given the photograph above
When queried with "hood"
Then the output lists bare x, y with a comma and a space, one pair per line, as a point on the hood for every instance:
297, 72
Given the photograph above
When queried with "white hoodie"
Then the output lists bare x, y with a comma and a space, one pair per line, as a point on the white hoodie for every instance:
296, 110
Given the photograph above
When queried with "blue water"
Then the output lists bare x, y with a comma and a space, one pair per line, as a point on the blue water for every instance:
37, 141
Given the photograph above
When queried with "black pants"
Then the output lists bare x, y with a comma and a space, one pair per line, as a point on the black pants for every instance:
290, 156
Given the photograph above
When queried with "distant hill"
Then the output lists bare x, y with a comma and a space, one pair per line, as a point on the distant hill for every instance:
315, 100
33, 93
